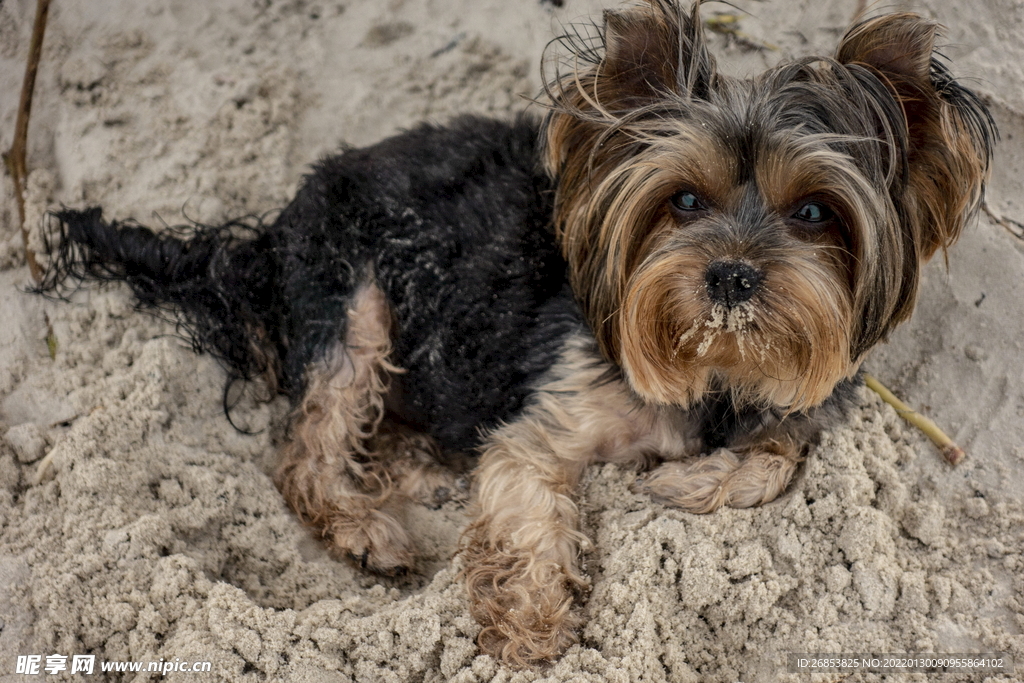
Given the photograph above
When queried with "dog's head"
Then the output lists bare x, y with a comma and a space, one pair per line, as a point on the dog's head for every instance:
758, 235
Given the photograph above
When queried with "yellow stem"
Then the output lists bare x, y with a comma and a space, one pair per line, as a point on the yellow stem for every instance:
950, 451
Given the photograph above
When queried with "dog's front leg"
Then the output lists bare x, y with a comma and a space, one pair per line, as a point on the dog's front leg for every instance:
753, 470
521, 555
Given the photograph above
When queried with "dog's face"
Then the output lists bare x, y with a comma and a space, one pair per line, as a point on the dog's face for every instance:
756, 236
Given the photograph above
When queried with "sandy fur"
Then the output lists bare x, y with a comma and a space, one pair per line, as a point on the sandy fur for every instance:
336, 472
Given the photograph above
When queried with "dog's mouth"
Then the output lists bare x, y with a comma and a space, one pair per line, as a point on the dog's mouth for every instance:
737, 321
784, 343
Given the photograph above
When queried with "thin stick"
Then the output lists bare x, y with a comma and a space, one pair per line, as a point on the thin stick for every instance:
1015, 228
15, 158
950, 451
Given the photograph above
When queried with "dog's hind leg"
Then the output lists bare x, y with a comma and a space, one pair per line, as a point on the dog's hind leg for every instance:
413, 462
329, 473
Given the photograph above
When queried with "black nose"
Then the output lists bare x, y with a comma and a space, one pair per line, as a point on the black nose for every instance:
730, 283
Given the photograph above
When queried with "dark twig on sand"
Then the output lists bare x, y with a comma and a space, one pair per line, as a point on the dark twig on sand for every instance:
1015, 228
15, 157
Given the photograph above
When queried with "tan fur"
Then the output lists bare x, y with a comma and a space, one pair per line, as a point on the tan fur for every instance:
522, 552
788, 346
735, 478
521, 555
948, 165
619, 154
412, 462
334, 472
640, 276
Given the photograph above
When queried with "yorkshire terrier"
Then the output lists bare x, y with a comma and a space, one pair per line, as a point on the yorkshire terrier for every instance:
674, 271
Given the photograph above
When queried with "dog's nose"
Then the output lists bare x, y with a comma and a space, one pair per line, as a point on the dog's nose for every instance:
730, 283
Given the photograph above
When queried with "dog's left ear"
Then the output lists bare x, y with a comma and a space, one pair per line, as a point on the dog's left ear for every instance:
949, 131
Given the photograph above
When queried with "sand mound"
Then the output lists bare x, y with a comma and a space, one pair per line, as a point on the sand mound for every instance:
137, 525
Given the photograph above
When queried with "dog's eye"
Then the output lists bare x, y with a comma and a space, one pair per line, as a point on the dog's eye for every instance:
813, 212
687, 201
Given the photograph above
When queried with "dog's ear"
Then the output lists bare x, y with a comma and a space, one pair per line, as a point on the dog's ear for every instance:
653, 50
647, 56
949, 131
899, 46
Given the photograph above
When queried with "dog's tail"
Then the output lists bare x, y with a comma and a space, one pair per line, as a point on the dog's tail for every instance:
215, 282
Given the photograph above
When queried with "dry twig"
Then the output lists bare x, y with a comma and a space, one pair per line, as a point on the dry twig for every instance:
728, 24
950, 451
1016, 228
15, 158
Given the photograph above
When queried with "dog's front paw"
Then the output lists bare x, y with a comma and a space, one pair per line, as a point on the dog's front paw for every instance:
704, 484
696, 485
524, 604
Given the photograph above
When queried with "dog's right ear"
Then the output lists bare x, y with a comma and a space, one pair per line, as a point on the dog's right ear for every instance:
649, 55
653, 50
944, 136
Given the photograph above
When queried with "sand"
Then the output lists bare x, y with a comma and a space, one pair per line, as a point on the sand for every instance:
137, 524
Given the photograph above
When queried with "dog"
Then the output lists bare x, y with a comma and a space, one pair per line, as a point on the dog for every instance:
673, 271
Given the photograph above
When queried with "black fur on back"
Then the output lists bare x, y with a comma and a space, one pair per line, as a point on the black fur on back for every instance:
451, 222
454, 223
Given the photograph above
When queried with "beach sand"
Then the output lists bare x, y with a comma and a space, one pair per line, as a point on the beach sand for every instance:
137, 525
